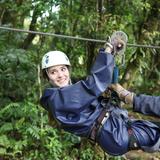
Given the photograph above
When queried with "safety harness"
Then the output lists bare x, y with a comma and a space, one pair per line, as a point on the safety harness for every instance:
113, 98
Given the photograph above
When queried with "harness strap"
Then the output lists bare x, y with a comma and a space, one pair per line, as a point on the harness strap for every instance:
98, 124
133, 142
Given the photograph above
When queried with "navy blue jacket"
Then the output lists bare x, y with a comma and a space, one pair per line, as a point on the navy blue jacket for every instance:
76, 108
149, 105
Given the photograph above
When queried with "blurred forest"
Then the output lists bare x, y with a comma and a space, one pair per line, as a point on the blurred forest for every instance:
25, 133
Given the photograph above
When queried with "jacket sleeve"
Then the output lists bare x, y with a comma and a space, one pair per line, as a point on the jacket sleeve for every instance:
149, 105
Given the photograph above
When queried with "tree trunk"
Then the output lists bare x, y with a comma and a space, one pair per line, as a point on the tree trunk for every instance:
149, 25
32, 27
90, 50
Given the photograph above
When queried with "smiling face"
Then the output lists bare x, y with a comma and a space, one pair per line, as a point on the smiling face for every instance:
59, 75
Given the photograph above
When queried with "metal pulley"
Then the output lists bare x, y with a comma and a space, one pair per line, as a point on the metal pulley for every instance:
121, 38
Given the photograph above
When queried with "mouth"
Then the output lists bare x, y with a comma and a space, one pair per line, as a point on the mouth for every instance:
61, 81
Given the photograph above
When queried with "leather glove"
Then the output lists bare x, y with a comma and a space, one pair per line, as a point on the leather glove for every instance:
124, 95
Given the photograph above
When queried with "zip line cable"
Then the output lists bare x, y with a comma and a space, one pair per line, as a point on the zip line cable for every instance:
73, 37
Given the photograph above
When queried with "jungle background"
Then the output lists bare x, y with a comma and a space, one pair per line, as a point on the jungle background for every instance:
25, 132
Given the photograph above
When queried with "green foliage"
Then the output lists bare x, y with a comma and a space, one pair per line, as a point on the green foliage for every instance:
19, 75
23, 134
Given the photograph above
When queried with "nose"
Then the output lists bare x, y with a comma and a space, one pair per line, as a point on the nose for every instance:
60, 73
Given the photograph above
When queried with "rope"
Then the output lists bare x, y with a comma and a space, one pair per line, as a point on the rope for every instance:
73, 37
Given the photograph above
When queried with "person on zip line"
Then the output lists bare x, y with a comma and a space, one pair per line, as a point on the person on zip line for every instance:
82, 110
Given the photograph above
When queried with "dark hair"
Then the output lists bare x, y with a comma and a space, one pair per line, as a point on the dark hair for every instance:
44, 74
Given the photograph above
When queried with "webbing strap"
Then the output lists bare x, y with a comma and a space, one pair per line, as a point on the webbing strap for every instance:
99, 123
133, 142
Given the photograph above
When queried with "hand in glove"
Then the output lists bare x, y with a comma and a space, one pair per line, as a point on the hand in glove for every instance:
124, 95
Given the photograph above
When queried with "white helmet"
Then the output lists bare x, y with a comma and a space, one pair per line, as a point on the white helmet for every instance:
54, 58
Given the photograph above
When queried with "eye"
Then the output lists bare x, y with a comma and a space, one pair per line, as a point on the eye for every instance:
52, 71
63, 69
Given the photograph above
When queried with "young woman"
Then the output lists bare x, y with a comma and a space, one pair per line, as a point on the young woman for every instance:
80, 108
